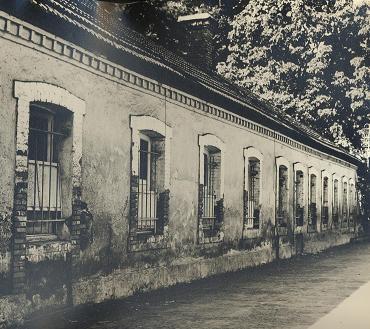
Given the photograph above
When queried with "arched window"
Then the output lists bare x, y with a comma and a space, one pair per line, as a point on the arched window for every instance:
325, 202
352, 201
150, 175
314, 187
313, 204
299, 193
49, 148
211, 184
345, 202
282, 166
252, 187
335, 201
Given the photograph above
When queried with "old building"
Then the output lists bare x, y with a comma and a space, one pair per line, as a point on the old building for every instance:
125, 168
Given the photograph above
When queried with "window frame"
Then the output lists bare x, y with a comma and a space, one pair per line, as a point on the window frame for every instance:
299, 167
281, 161
250, 153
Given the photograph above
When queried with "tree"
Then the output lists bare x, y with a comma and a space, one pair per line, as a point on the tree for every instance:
309, 59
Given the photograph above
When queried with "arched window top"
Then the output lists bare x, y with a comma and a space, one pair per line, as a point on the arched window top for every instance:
150, 126
344, 179
251, 152
313, 171
281, 161
336, 177
325, 173
298, 166
48, 93
211, 140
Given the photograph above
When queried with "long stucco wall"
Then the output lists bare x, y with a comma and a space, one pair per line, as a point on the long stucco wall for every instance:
106, 173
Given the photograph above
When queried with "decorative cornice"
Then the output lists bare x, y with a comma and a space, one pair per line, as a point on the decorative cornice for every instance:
16, 30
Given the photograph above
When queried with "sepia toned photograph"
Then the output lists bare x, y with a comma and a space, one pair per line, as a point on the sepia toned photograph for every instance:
185, 164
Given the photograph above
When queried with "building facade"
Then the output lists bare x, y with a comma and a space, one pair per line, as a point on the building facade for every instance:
125, 168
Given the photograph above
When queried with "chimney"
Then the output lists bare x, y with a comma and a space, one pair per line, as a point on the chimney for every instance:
196, 39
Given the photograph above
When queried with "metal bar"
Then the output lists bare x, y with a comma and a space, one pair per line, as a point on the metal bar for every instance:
150, 178
42, 190
35, 181
155, 185
47, 132
56, 193
50, 160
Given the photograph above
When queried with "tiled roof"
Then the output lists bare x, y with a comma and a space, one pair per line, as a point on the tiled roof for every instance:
90, 16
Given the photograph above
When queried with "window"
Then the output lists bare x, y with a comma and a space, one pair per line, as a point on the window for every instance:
325, 202
352, 201
252, 188
148, 185
312, 214
211, 190
46, 144
282, 195
150, 177
210, 211
253, 194
345, 203
335, 202
299, 198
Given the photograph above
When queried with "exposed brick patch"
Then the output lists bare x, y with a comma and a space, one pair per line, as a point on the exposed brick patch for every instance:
163, 210
134, 188
219, 212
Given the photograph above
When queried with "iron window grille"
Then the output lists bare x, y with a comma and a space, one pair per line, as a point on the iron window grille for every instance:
299, 199
252, 215
335, 204
210, 224
325, 202
345, 204
282, 213
312, 209
352, 202
44, 201
147, 188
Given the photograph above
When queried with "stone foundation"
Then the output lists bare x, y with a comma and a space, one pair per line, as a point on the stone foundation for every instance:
125, 282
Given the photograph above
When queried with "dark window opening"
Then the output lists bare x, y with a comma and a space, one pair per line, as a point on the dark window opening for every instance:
282, 211
211, 222
299, 198
325, 202
252, 211
44, 196
312, 211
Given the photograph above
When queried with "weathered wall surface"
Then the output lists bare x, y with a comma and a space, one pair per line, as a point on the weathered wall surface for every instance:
106, 170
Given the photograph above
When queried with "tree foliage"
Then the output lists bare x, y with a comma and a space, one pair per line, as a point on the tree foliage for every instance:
309, 59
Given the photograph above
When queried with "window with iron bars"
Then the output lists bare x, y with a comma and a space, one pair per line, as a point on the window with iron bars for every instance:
299, 198
335, 203
211, 181
325, 202
345, 203
352, 203
44, 195
312, 210
282, 211
148, 186
252, 199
